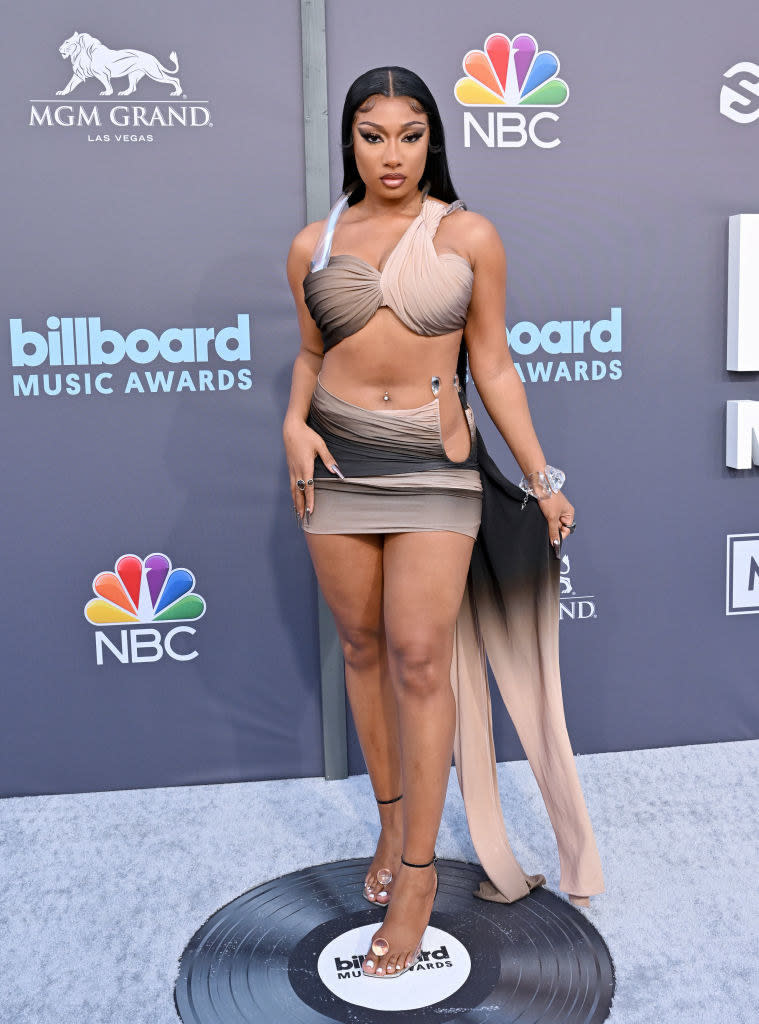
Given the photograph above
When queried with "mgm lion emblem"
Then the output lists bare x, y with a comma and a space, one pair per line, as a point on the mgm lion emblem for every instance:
90, 59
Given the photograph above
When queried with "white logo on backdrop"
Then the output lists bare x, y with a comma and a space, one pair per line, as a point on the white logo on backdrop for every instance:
739, 98
742, 577
442, 970
91, 59
516, 78
129, 121
572, 605
742, 415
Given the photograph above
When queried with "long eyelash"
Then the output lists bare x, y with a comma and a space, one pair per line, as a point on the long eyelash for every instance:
414, 136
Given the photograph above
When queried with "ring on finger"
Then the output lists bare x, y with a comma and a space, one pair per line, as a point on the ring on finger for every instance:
309, 481
300, 484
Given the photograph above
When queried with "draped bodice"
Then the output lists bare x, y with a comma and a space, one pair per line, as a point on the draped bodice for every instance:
428, 291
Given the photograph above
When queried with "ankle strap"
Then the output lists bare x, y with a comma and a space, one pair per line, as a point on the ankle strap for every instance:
392, 801
410, 865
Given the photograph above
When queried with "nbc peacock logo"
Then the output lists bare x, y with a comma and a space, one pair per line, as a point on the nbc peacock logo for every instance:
510, 73
141, 591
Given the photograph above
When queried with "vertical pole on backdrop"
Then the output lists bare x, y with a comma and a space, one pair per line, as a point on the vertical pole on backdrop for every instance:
314, 58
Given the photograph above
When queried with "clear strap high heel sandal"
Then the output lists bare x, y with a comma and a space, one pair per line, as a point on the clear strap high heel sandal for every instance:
384, 875
380, 947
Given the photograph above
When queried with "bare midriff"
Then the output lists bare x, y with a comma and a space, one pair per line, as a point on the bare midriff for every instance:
385, 356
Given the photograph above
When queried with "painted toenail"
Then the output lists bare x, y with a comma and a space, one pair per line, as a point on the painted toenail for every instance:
370, 963
383, 893
379, 970
390, 968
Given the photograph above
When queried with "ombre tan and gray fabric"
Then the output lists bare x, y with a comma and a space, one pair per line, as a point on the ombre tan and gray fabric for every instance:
427, 290
398, 478
391, 492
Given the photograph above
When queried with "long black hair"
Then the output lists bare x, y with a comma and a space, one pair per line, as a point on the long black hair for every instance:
396, 81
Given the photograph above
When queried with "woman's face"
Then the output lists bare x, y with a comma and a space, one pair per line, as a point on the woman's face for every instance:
390, 140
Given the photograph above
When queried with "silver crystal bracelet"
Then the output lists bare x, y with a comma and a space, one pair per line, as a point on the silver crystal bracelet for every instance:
549, 481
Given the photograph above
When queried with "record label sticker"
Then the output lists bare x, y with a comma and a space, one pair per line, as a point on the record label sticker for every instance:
442, 969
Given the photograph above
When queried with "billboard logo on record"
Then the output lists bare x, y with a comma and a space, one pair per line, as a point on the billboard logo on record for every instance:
143, 591
442, 969
510, 73
742, 584
124, 121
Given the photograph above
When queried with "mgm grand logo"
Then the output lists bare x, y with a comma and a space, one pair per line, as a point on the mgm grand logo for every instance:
572, 605
130, 121
429, 960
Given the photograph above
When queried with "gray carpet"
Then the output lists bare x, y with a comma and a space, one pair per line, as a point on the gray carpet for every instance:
99, 893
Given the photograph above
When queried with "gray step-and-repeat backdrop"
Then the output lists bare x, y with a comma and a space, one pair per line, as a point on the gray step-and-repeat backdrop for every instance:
609, 146
159, 608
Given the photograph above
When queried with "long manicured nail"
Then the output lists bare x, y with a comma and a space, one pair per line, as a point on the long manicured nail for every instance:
334, 469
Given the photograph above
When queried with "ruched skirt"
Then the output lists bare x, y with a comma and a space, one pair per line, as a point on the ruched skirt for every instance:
397, 475
398, 478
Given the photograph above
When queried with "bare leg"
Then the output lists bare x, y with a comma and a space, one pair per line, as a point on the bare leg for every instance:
424, 579
350, 574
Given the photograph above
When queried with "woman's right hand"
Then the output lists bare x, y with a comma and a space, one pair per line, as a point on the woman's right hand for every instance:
302, 445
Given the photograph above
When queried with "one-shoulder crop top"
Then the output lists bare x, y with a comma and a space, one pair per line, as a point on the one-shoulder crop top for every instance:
427, 290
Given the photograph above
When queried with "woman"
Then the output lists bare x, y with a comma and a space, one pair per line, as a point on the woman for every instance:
423, 552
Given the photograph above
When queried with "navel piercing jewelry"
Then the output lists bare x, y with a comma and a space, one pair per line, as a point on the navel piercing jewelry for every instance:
386, 397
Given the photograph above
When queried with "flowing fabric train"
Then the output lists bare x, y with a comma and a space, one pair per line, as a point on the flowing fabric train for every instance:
510, 613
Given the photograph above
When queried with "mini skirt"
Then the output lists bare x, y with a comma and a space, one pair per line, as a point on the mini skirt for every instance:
397, 476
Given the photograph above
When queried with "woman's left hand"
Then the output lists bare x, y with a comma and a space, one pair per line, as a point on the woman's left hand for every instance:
560, 514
